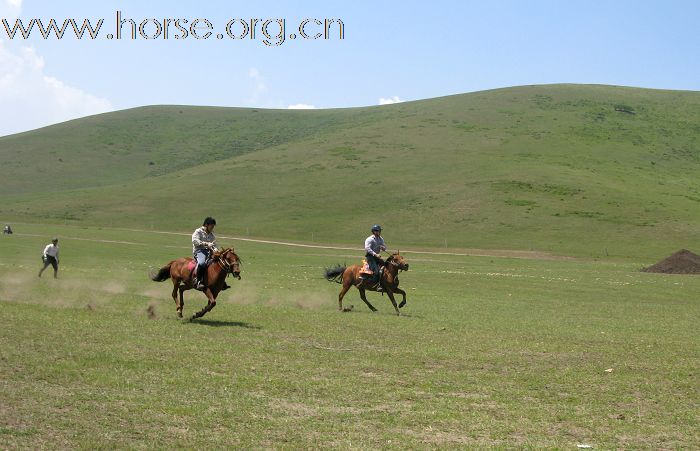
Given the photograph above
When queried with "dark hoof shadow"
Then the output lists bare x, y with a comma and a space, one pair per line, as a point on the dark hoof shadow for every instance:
214, 323
409, 315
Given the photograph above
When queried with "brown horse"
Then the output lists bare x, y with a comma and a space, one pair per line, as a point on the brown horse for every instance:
389, 282
224, 262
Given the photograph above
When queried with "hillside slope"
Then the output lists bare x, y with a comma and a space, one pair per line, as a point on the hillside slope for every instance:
575, 169
146, 142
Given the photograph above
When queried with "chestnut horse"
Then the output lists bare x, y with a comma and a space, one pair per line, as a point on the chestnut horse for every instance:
224, 262
349, 276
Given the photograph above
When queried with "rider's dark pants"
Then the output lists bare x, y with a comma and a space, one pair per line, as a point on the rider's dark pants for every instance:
373, 265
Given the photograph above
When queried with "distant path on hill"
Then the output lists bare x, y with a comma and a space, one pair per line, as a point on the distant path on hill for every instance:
502, 253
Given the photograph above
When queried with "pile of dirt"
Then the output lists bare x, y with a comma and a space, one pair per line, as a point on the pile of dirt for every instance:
682, 262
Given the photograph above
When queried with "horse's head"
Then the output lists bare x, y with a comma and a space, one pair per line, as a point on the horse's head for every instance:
231, 262
397, 260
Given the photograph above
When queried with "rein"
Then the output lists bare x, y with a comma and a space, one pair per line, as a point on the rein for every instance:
225, 265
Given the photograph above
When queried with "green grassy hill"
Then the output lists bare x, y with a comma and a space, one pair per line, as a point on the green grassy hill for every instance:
573, 169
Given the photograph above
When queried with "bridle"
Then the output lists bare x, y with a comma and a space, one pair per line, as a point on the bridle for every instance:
395, 263
228, 267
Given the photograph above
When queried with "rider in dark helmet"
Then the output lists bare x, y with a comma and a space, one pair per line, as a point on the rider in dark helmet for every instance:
374, 244
203, 245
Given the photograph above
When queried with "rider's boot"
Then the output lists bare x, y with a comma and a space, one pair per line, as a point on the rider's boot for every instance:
199, 278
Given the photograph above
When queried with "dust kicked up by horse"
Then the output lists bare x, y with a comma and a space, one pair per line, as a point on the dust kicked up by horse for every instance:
389, 281
222, 263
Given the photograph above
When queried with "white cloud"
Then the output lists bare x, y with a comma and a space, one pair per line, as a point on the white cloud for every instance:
390, 100
31, 99
258, 85
10, 9
301, 106
10, 5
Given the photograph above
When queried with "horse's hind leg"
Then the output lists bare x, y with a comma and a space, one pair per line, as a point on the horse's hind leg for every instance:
182, 301
364, 298
402, 293
178, 304
341, 295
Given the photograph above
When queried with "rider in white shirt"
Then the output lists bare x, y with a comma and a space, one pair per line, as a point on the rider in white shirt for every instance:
203, 246
374, 244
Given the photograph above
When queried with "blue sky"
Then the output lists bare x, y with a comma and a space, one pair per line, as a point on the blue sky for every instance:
393, 50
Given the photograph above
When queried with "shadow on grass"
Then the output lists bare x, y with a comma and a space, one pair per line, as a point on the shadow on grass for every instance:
215, 323
379, 312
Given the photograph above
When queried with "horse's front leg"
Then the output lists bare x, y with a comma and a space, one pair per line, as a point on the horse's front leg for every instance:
402, 293
393, 301
364, 298
210, 304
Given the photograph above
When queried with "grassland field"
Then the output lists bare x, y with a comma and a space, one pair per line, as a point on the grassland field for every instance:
490, 351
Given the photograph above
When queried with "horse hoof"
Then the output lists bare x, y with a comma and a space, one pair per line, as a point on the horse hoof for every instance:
402, 304
179, 314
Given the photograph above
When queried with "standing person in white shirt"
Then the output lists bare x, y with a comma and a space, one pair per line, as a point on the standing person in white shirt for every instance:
50, 257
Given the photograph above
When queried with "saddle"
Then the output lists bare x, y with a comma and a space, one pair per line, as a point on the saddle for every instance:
367, 274
192, 264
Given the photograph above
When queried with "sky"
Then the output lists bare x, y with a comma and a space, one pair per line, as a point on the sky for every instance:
391, 51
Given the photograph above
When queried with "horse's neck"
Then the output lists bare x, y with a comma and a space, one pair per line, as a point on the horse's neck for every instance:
390, 268
217, 272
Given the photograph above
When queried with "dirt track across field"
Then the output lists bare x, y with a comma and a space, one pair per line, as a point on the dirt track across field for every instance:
501, 253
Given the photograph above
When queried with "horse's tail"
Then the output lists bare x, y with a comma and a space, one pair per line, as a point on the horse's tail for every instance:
162, 274
335, 274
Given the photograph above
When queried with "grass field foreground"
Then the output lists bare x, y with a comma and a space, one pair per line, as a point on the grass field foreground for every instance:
490, 352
